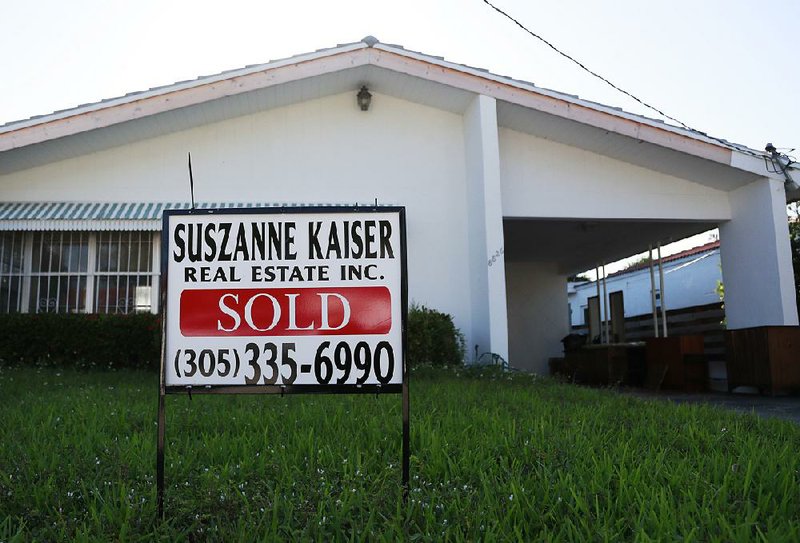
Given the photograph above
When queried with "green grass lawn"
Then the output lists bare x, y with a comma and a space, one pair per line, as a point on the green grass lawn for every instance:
494, 457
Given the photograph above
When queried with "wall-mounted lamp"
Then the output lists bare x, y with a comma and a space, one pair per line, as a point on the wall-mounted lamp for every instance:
364, 98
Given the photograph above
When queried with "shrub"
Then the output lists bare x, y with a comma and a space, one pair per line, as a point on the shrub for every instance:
80, 340
433, 338
134, 341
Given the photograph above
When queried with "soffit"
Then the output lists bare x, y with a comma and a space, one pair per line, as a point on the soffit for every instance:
631, 150
578, 245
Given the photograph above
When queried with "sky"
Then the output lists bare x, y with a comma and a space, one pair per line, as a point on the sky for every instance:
726, 67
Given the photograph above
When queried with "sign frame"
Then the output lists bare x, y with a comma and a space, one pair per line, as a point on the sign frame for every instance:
372, 388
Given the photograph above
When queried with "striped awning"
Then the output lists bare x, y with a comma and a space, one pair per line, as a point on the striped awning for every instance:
101, 215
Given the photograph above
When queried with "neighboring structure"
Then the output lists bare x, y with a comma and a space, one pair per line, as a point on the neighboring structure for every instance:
691, 278
509, 188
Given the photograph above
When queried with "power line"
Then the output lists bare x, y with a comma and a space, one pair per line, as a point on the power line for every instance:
623, 91
583, 67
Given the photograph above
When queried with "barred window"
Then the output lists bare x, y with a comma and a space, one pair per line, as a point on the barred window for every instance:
76, 272
12, 247
123, 278
59, 272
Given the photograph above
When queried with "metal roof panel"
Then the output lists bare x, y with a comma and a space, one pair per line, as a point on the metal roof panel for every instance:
97, 216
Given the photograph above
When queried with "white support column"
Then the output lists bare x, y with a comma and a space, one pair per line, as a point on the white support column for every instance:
155, 285
487, 263
91, 267
756, 258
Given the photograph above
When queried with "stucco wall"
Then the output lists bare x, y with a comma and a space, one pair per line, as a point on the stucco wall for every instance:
537, 314
542, 178
320, 151
757, 258
328, 151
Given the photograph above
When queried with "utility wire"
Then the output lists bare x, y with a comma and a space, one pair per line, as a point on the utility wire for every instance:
623, 91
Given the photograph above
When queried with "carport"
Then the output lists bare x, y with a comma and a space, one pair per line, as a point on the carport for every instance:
540, 253
575, 196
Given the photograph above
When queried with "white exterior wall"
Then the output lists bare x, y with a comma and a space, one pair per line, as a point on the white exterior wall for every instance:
458, 176
542, 178
757, 259
320, 151
537, 314
689, 281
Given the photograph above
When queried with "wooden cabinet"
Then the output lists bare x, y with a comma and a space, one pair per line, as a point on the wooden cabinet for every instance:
683, 359
600, 365
765, 357
606, 364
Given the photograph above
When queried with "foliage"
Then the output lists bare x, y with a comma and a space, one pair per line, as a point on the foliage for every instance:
794, 239
433, 338
134, 341
578, 278
720, 290
495, 457
112, 341
637, 263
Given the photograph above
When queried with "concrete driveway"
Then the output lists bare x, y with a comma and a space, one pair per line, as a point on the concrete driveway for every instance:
782, 407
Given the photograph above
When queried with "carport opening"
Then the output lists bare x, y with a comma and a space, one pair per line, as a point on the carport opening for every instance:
540, 256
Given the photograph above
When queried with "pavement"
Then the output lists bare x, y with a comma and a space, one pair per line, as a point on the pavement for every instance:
782, 407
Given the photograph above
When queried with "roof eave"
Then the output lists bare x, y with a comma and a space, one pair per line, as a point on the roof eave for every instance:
598, 115
131, 107
177, 87
179, 95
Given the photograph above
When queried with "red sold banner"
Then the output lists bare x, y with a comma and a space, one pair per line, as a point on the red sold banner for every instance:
286, 312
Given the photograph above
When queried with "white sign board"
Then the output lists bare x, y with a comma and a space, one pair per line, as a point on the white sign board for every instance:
284, 296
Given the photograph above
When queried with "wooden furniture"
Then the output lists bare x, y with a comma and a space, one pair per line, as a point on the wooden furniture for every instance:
616, 304
610, 364
683, 359
594, 319
765, 357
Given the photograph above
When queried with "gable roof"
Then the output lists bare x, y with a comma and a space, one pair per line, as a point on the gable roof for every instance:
440, 83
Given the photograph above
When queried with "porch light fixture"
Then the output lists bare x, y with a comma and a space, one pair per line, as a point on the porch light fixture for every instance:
364, 98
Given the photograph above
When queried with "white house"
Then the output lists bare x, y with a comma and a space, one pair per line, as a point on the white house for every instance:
691, 278
509, 188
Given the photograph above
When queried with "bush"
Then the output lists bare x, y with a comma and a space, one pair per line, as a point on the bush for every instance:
433, 338
80, 340
134, 341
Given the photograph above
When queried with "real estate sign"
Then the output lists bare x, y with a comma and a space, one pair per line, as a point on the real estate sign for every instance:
283, 300
284, 297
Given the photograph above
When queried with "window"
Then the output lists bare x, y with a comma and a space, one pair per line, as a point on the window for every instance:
59, 272
123, 276
12, 245
77, 272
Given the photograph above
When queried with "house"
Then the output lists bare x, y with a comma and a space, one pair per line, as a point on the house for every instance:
509, 188
691, 278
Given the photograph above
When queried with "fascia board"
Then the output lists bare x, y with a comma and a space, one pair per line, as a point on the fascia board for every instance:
591, 113
103, 114
750, 163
